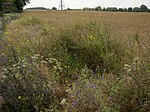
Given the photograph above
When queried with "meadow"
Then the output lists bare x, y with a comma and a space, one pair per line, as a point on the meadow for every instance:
77, 61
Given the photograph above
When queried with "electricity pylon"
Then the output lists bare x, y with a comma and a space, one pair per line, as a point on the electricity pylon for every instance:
61, 5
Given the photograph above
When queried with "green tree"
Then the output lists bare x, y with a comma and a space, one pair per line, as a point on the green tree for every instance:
113, 9
143, 8
54, 8
26, 1
68, 8
121, 10
98, 8
19, 4
12, 5
136, 9
130, 9
125, 10
8, 7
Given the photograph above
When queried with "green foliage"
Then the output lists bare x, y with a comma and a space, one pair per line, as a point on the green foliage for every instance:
130, 9
92, 47
11, 6
19, 4
54, 8
98, 8
8, 7
136, 9
143, 8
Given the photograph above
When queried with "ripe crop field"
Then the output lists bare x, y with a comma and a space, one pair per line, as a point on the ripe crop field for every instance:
78, 61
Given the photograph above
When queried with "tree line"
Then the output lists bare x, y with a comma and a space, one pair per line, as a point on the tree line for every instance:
142, 8
8, 6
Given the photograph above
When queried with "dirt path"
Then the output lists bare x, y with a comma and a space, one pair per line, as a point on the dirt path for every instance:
2, 45
0, 25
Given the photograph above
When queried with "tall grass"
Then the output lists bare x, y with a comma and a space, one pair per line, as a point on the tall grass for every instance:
78, 65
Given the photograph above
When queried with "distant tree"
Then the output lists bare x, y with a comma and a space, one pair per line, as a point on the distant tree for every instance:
54, 8
121, 10
98, 8
136, 9
37, 8
113, 9
104, 9
88, 9
68, 8
125, 10
148, 10
130, 9
143, 8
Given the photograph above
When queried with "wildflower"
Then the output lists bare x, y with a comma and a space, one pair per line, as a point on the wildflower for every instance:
93, 86
110, 98
19, 97
64, 101
66, 80
102, 97
76, 81
42, 95
92, 93
73, 103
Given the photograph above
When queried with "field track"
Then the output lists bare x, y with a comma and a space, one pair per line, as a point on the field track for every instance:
0, 25
1, 56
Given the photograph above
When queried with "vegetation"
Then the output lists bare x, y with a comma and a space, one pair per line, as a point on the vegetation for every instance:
37, 8
142, 8
9, 6
77, 62
54, 8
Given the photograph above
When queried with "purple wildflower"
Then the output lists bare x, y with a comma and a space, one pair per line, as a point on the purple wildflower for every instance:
111, 98
93, 86
73, 103
102, 97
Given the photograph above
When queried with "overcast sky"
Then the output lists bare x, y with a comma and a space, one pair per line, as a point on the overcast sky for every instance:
88, 3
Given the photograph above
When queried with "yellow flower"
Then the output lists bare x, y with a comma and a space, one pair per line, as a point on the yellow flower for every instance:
19, 97
66, 81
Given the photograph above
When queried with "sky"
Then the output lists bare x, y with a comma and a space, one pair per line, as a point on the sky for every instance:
73, 4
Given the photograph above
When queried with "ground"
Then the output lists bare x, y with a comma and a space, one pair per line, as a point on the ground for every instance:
1, 54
